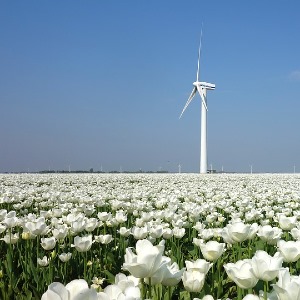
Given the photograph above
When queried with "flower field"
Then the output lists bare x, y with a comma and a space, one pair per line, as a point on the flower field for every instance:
150, 236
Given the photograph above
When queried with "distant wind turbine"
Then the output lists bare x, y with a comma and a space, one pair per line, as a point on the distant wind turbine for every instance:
201, 87
179, 168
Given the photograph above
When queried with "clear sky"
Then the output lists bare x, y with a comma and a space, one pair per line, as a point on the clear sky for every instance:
87, 84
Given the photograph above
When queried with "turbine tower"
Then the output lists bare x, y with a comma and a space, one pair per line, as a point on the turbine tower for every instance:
201, 87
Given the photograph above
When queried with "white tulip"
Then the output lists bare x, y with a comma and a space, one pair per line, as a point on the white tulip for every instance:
269, 234
287, 287
290, 250
287, 223
104, 239
146, 261
64, 257
48, 243
83, 244
241, 273
139, 233
124, 231
43, 262
11, 238
74, 290
266, 267
200, 265
193, 281
212, 250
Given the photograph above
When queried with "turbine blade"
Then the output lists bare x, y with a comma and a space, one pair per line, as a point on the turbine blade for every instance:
203, 98
193, 93
199, 54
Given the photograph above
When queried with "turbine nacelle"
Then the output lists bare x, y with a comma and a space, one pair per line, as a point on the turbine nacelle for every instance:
205, 85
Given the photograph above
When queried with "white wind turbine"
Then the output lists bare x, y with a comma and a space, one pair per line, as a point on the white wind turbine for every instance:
201, 87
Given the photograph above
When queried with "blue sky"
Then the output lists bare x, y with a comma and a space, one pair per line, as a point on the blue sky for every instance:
87, 84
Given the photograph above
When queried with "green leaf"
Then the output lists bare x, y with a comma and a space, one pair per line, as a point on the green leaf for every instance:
34, 271
8, 262
110, 277
184, 295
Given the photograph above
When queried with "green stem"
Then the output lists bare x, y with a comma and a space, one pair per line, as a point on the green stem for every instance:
84, 264
49, 275
37, 256
150, 288
212, 280
65, 272
265, 290
219, 278
10, 253
105, 256
239, 293
240, 251
169, 292
291, 268
143, 289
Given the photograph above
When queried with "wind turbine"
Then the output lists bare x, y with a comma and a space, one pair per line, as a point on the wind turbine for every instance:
179, 168
201, 87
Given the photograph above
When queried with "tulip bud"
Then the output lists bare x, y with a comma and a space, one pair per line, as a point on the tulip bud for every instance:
89, 263
25, 235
